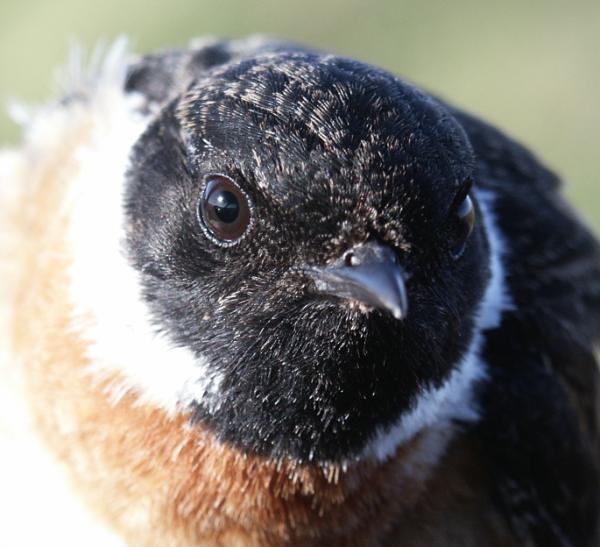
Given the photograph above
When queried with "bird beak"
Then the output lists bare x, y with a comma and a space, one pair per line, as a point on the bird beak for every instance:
367, 273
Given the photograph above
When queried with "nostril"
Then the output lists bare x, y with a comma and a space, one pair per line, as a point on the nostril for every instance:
350, 259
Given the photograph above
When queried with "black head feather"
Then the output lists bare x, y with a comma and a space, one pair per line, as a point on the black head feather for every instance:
332, 154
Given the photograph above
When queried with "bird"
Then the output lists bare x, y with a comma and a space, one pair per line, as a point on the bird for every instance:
266, 295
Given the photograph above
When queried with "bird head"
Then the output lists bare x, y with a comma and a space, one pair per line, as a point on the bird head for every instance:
305, 226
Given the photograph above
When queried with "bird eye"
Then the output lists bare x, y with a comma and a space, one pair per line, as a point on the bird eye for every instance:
223, 210
461, 225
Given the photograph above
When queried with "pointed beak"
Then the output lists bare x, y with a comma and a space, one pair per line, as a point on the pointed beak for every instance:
369, 274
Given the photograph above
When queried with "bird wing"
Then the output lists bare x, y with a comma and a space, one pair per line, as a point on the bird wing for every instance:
542, 405
551, 259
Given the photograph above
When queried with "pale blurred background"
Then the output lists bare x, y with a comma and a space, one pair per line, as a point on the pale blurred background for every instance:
532, 68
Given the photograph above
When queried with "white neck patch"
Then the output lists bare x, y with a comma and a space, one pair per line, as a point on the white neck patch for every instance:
437, 408
105, 289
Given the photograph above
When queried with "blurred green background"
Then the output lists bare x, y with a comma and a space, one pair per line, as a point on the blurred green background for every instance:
532, 68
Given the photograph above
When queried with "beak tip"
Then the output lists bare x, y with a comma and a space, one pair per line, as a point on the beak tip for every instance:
398, 313
398, 310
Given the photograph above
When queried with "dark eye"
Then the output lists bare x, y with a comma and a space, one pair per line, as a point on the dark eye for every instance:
462, 221
223, 210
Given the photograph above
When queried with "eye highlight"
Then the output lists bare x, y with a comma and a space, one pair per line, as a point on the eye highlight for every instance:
461, 223
224, 211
